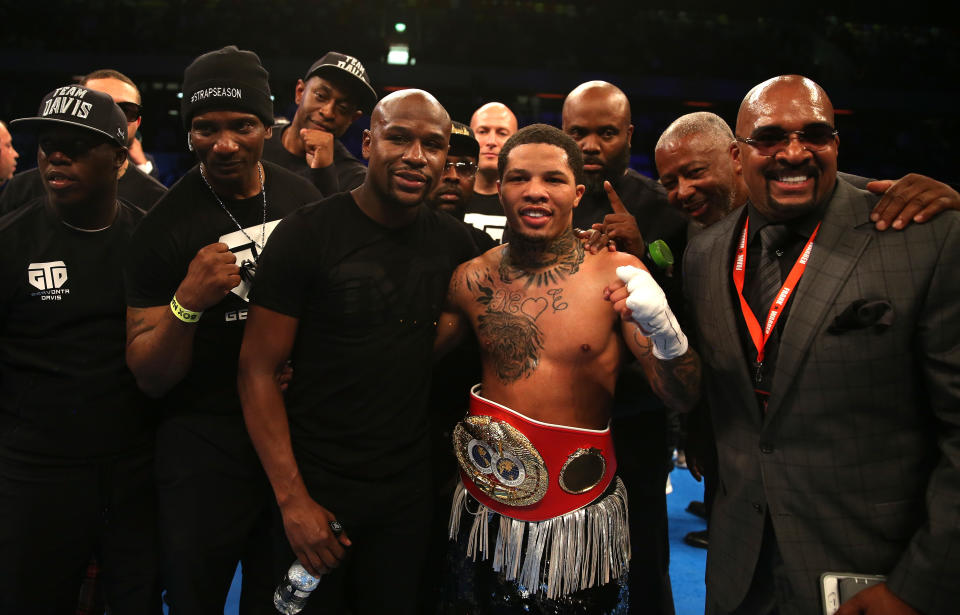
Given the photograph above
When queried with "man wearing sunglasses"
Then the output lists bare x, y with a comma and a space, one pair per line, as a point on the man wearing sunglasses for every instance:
125, 93
455, 187
134, 185
76, 452
832, 374
694, 163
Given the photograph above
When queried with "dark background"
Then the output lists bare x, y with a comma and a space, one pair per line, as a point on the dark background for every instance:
891, 71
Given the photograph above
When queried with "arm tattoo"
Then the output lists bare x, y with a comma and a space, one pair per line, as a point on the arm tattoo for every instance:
137, 324
677, 381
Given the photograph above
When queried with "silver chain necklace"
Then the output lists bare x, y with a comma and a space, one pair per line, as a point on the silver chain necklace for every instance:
263, 225
116, 207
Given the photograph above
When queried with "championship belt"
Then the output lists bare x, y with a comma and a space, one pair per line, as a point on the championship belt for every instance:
526, 469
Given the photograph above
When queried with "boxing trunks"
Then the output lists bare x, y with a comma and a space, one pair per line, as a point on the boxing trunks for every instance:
562, 512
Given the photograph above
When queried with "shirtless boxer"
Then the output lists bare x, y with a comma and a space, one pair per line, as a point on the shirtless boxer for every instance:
535, 449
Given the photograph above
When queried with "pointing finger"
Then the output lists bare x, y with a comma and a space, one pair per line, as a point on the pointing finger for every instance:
615, 202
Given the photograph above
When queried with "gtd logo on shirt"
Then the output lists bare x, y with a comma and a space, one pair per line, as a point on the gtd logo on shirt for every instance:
49, 279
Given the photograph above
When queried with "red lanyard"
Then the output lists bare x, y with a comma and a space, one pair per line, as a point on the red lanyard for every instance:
776, 308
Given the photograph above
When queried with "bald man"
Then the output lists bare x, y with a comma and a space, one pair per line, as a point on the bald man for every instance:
351, 293
492, 125
8, 155
695, 167
837, 422
597, 115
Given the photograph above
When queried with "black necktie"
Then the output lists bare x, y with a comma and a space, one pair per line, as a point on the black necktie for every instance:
767, 277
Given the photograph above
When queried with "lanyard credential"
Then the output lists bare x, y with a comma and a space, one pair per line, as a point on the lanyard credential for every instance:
757, 335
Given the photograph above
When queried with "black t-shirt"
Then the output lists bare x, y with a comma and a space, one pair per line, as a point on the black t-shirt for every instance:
367, 299
185, 220
485, 213
345, 174
483, 239
65, 390
134, 187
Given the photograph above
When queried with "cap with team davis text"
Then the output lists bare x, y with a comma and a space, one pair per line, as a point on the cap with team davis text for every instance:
75, 105
334, 63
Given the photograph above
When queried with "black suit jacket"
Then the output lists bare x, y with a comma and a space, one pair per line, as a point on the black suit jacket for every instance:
857, 461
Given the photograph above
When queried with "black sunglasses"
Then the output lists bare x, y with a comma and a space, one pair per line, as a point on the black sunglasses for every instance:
71, 146
770, 140
465, 168
130, 110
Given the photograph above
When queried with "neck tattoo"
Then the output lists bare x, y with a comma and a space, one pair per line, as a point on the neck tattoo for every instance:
263, 225
546, 266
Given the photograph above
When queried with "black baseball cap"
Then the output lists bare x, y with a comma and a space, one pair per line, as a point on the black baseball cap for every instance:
462, 141
76, 105
339, 64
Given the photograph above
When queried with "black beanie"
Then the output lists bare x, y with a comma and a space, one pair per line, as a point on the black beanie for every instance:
228, 79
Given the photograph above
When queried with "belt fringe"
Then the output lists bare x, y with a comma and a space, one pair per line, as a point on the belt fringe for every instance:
579, 550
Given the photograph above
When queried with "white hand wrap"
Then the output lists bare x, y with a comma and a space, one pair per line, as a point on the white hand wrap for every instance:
648, 306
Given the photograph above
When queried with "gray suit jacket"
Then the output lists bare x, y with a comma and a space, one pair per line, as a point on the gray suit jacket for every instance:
858, 458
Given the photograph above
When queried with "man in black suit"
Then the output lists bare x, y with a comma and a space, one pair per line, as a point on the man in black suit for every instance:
835, 403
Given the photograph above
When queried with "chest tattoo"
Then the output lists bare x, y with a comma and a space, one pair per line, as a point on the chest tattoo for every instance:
508, 328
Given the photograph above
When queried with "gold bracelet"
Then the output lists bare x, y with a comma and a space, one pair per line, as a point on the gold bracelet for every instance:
187, 316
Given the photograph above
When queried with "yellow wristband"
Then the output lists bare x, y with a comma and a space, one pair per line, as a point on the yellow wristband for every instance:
183, 313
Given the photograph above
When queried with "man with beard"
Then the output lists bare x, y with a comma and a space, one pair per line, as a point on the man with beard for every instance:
456, 183
76, 453
632, 209
333, 94
350, 290
492, 124
597, 115
536, 454
694, 164
836, 420
191, 265
134, 185
696, 168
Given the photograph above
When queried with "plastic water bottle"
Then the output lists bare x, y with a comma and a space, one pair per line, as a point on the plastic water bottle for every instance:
291, 595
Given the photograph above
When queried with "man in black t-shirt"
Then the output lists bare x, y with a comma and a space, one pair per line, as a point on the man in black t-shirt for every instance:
631, 209
189, 273
351, 292
76, 435
455, 186
492, 124
334, 93
135, 185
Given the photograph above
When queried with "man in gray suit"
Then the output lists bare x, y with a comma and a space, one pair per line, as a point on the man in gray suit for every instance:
839, 449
